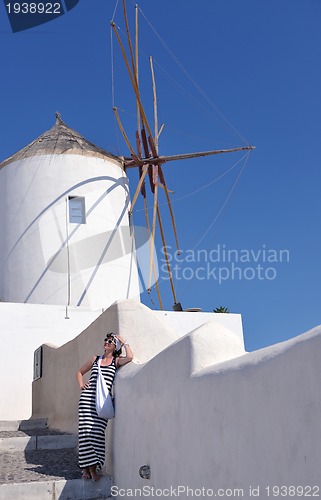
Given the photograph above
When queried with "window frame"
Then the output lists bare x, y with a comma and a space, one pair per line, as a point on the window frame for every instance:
77, 219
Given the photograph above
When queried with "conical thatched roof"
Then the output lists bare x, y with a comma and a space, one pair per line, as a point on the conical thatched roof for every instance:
60, 139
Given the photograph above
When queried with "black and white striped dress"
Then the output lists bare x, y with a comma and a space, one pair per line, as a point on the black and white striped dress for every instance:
91, 428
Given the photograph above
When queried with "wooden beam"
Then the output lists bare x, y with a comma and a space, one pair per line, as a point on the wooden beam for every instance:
140, 168
131, 149
129, 163
151, 249
162, 180
141, 180
156, 132
133, 80
129, 40
169, 271
137, 65
151, 262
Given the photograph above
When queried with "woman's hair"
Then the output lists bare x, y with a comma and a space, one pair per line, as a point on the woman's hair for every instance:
116, 354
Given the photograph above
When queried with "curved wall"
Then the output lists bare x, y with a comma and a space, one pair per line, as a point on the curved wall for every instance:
46, 259
197, 409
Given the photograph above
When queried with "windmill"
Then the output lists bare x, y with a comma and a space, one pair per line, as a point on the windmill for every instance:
145, 156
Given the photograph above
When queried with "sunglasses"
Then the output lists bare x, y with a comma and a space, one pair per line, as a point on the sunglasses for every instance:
110, 340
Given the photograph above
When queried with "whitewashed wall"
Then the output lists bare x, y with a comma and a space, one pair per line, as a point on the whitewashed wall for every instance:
23, 328
253, 421
41, 247
140, 326
184, 322
196, 408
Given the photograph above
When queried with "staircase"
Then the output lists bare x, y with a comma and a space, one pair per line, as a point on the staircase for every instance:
37, 463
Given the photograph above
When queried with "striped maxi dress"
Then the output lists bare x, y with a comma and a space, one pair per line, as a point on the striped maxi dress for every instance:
91, 428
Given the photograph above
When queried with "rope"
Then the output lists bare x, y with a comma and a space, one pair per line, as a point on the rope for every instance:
202, 187
150, 296
161, 280
226, 201
194, 83
117, 136
176, 84
213, 106
191, 98
220, 144
112, 68
211, 182
113, 83
173, 81
68, 258
112, 19
219, 213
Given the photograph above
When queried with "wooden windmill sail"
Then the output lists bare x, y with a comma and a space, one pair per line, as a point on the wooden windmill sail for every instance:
145, 155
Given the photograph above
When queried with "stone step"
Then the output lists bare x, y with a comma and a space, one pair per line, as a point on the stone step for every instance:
36, 439
37, 463
51, 442
47, 474
23, 425
74, 489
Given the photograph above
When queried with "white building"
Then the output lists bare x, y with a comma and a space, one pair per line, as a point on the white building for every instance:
66, 249
64, 213
193, 406
67, 252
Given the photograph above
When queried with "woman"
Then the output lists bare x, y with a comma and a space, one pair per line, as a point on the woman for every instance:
91, 427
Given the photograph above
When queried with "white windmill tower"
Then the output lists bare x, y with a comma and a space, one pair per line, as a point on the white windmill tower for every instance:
64, 219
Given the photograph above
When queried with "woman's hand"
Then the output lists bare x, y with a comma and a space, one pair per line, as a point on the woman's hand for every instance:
121, 340
85, 386
123, 360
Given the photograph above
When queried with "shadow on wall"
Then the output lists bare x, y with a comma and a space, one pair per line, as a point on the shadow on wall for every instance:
252, 420
55, 395
196, 408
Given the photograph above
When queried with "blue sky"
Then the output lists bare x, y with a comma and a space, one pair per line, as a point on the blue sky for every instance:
251, 76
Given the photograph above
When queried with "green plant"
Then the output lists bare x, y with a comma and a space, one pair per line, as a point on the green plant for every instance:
221, 309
